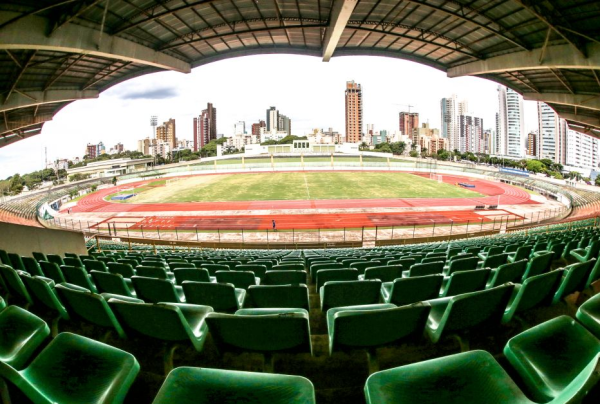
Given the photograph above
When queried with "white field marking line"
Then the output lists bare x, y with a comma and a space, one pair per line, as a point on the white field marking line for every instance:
306, 184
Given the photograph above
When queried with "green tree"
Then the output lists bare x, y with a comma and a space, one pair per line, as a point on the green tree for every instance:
597, 181
363, 146
413, 153
535, 166
16, 184
114, 181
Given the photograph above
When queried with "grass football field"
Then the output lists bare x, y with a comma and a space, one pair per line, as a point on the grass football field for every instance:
298, 186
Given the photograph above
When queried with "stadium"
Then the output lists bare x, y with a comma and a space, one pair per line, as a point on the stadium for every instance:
354, 277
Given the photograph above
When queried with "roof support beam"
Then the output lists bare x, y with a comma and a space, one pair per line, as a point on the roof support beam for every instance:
574, 100
30, 33
584, 120
34, 98
555, 57
24, 122
340, 15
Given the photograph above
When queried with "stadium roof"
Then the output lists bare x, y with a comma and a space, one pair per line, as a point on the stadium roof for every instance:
55, 52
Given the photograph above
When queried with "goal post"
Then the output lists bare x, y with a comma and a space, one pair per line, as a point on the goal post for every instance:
436, 177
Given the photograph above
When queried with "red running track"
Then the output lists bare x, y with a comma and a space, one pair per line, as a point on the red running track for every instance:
496, 193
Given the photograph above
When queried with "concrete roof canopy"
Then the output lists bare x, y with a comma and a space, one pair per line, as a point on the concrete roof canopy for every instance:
55, 52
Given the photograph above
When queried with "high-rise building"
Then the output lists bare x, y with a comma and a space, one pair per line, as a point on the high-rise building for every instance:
582, 151
354, 112
532, 144
205, 127
272, 119
510, 122
552, 133
91, 151
239, 128
470, 133
285, 124
449, 121
256, 127
408, 121
166, 133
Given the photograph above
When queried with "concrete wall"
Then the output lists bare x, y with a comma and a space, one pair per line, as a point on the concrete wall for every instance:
23, 240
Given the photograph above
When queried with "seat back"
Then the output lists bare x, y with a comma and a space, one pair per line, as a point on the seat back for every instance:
176, 265
15, 285
111, 283
266, 263
405, 262
118, 268
362, 266
326, 275
151, 272
416, 289
284, 277
466, 281
538, 265
213, 268
329, 265
523, 252
494, 261
42, 292
93, 265
73, 261
21, 334
512, 272
274, 331
278, 296
240, 279
129, 261
52, 271
57, 259
288, 267
350, 293
375, 325
462, 264
106, 260
154, 290
575, 278
191, 274
16, 262
77, 276
474, 309
384, 274
538, 290
220, 296
32, 267
429, 268
39, 256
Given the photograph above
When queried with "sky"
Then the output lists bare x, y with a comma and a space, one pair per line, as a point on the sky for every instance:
303, 88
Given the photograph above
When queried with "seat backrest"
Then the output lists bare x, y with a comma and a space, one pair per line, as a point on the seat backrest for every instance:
284, 277
110, 283
151, 272
93, 265
42, 292
39, 256
130, 261
154, 290
213, 268
523, 252
429, 268
32, 267
257, 269
220, 296
21, 334
384, 273
266, 263
52, 270
537, 291
350, 293
575, 277
176, 265
240, 279
494, 261
191, 274
467, 281
14, 283
106, 260
462, 264
77, 276
416, 289
118, 268
16, 262
288, 266
405, 262
57, 259
361, 266
281, 296
512, 272
88, 306
326, 275
375, 325
287, 331
153, 263
473, 309
73, 261
538, 265
330, 265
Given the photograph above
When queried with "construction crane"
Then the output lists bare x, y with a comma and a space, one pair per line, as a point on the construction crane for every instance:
405, 105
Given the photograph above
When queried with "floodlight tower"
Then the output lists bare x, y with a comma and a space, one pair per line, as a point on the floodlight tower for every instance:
153, 123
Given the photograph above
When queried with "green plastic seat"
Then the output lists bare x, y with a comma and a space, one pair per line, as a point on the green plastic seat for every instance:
551, 355
261, 330
240, 279
494, 261
21, 334
191, 274
16, 288
510, 272
594, 274
171, 323
288, 267
16, 262
73, 262
153, 272
538, 265
328, 275
349, 293
222, 297
464, 282
412, 290
383, 273
490, 250
57, 259
213, 268
278, 296
32, 267
469, 377
585, 254
574, 279
153, 263
405, 262
93, 265
106, 260
187, 385
112, 283
536, 291
134, 262
4, 258
589, 315
461, 264
118, 268
522, 253
317, 267
284, 278
154, 290
52, 270
177, 265
267, 263
458, 314
39, 256
421, 269
75, 369
372, 326
258, 270
78, 276
571, 245
229, 264
362, 266
90, 307
43, 293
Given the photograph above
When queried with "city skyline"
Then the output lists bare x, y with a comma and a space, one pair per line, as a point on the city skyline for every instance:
316, 102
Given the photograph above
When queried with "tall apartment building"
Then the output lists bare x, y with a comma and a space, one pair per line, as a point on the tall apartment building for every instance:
239, 128
449, 121
408, 121
284, 124
91, 150
532, 145
354, 112
272, 119
166, 133
470, 134
256, 128
510, 122
582, 151
205, 127
552, 133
